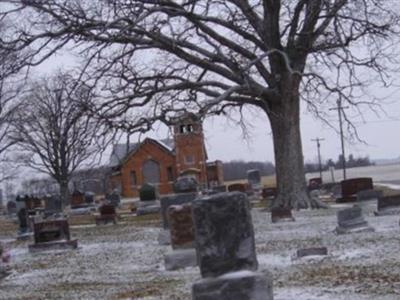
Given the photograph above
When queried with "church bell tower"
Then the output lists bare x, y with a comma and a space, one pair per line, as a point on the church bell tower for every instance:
190, 150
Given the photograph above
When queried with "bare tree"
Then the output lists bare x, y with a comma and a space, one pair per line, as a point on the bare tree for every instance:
52, 131
9, 90
151, 59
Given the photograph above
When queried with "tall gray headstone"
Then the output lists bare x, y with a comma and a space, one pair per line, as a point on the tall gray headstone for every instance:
254, 178
224, 239
224, 234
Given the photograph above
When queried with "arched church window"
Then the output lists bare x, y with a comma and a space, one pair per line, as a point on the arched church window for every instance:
151, 171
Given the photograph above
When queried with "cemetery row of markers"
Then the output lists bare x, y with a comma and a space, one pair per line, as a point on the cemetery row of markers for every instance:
215, 232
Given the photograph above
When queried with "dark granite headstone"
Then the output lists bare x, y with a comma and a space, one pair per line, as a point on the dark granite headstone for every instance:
11, 207
185, 184
224, 234
314, 183
114, 198
107, 214
89, 197
177, 199
237, 187
254, 178
77, 199
279, 214
53, 204
23, 220
269, 192
351, 220
388, 205
350, 188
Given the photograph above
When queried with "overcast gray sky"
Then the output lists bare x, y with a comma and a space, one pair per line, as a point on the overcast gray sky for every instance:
224, 140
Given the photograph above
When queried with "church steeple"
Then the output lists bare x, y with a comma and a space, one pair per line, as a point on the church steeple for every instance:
190, 149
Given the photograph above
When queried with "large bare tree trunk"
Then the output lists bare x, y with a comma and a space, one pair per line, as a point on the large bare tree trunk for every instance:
64, 193
289, 163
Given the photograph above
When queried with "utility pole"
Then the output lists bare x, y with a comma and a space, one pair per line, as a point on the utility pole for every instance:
318, 140
340, 108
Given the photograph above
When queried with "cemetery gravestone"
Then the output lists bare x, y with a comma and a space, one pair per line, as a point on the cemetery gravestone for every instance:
23, 221
89, 197
107, 214
351, 220
177, 199
53, 204
224, 239
350, 188
388, 205
52, 235
312, 251
182, 237
281, 214
114, 198
269, 192
77, 199
181, 225
366, 195
148, 200
185, 184
224, 234
314, 183
254, 179
237, 187
11, 207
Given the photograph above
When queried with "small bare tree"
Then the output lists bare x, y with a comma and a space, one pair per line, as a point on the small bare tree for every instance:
160, 57
9, 91
53, 133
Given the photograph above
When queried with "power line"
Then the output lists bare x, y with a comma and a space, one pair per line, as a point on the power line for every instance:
340, 108
318, 140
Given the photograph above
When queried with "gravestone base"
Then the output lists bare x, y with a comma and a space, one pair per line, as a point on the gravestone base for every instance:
164, 237
354, 229
56, 245
347, 199
387, 212
106, 219
148, 210
367, 195
312, 251
280, 214
147, 203
240, 285
283, 220
179, 259
24, 236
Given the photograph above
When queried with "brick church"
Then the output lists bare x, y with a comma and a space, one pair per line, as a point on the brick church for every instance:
161, 162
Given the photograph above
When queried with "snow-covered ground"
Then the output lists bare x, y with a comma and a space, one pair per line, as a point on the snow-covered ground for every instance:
126, 262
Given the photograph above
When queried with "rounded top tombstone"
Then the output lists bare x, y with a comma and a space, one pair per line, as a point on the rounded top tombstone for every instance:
185, 184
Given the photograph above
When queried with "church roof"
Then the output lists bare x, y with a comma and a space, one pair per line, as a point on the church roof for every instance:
121, 151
